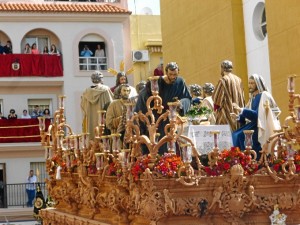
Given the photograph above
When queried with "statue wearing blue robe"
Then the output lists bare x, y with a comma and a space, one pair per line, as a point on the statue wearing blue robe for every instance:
251, 114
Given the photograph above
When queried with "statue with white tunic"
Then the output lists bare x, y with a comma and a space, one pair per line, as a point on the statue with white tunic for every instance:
94, 99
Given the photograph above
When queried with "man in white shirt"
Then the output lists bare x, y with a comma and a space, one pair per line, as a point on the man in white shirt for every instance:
25, 115
30, 188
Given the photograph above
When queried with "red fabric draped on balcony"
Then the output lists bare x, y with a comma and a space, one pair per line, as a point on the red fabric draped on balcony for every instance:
20, 130
30, 65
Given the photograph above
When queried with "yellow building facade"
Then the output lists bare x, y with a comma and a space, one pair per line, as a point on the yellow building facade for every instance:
199, 35
146, 36
284, 47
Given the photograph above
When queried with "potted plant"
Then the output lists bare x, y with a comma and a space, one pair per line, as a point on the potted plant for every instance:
198, 113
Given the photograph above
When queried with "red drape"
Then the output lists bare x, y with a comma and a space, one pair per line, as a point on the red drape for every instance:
20, 130
31, 65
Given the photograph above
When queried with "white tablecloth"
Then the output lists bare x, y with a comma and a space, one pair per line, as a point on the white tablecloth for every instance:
204, 140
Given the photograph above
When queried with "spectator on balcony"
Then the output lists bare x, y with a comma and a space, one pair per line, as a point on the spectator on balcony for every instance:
46, 50
34, 50
12, 114
36, 112
27, 49
7, 49
30, 188
86, 52
25, 115
100, 54
46, 114
54, 50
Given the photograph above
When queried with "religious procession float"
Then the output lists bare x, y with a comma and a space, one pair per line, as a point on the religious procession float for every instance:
98, 182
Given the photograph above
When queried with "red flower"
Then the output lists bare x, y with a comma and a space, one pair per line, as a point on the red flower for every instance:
226, 166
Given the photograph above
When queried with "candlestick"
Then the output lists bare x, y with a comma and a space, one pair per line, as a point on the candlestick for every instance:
115, 142
186, 153
297, 113
124, 157
216, 138
101, 117
248, 138
61, 101
129, 110
291, 83
173, 110
154, 84
41, 123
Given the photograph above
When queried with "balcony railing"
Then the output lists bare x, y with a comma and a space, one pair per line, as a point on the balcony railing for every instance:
28, 65
92, 63
15, 194
20, 130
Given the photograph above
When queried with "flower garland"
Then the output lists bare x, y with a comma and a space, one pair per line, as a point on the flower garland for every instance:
114, 169
228, 158
168, 165
139, 167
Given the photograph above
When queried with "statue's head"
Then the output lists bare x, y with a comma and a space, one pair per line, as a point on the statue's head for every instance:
196, 90
140, 86
208, 88
226, 65
97, 77
121, 78
171, 66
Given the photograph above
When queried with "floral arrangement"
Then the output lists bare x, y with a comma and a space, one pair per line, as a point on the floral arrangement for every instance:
277, 163
139, 167
228, 158
168, 165
114, 169
58, 161
198, 110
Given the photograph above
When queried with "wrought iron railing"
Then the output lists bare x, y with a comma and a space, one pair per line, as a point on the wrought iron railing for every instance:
15, 194
92, 63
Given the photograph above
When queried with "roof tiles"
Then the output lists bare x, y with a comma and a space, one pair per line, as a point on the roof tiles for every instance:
61, 7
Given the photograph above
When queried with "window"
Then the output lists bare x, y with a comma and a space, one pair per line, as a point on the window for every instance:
40, 41
92, 53
259, 21
42, 103
39, 169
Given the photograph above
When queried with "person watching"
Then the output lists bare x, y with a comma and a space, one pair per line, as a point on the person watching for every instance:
34, 50
36, 112
27, 49
25, 115
86, 52
12, 114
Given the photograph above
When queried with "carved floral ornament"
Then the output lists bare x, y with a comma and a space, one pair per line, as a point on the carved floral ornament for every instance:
108, 184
